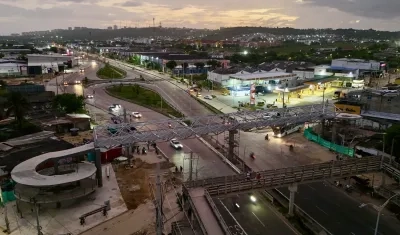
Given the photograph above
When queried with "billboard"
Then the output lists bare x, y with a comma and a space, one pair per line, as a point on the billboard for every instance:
347, 108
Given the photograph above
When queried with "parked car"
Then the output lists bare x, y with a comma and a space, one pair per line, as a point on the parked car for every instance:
208, 97
176, 144
136, 114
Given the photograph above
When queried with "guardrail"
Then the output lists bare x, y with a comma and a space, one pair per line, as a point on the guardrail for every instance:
287, 176
387, 193
303, 214
216, 213
196, 214
371, 164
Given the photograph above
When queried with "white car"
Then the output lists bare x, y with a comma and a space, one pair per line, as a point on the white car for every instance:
208, 97
136, 115
89, 96
115, 107
176, 144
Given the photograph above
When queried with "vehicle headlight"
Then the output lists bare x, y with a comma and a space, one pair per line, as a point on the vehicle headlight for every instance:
253, 199
279, 135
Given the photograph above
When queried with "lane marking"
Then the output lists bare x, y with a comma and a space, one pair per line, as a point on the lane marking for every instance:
258, 219
321, 210
310, 187
232, 216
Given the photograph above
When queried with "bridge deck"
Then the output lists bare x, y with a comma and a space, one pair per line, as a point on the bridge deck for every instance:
207, 216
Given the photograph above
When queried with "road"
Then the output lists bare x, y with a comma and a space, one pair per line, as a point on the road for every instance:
338, 212
254, 218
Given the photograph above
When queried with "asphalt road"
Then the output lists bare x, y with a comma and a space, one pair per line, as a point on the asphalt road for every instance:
254, 218
339, 213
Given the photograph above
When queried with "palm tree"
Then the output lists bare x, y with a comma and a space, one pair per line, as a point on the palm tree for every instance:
17, 104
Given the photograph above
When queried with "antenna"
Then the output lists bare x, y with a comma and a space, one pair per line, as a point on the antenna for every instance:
154, 22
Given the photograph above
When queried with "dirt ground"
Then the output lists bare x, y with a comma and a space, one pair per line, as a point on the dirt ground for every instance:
79, 138
137, 183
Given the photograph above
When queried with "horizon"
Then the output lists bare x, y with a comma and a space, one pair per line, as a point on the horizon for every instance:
25, 15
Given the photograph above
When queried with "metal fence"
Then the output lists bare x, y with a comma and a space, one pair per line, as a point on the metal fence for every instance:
327, 144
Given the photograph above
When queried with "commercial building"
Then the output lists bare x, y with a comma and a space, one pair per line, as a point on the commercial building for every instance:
162, 58
10, 68
42, 64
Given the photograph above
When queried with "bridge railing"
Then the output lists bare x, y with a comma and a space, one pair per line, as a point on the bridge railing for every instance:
301, 175
327, 166
214, 208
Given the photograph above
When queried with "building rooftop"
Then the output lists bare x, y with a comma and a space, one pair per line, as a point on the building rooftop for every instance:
17, 154
261, 76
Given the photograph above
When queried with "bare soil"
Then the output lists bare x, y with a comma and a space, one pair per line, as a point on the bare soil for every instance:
137, 183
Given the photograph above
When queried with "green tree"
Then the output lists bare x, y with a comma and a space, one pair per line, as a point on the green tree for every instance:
136, 89
69, 103
199, 65
85, 81
17, 105
1, 55
171, 64
54, 49
214, 64
392, 138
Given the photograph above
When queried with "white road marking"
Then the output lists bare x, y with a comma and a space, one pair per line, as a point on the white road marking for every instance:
310, 187
258, 219
232, 216
321, 210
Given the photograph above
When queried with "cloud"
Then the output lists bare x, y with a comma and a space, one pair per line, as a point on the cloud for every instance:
131, 4
382, 9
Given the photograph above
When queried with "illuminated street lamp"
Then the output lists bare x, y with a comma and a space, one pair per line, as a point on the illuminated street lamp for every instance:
379, 209
245, 52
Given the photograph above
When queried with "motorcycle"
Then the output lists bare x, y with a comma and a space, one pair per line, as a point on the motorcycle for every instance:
252, 155
144, 151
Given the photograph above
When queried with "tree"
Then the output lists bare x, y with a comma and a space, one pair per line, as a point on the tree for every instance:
136, 89
69, 103
85, 81
199, 65
17, 105
392, 136
54, 49
214, 64
1, 55
171, 64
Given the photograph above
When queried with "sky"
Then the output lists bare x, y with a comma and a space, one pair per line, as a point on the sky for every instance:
30, 15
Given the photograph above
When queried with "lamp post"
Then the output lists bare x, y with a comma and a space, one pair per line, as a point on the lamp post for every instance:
391, 149
379, 209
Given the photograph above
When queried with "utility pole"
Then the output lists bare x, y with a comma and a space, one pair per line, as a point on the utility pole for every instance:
159, 218
6, 219
191, 166
125, 119
39, 228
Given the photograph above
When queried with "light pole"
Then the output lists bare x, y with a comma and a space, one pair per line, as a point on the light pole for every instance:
379, 209
391, 149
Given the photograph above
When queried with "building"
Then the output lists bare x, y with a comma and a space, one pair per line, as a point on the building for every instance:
69, 28
42, 64
115, 27
162, 58
359, 64
13, 68
265, 82
109, 28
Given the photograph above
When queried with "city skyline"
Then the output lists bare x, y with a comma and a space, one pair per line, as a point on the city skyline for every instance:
23, 15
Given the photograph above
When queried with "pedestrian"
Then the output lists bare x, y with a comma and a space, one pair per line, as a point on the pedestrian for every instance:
258, 177
248, 175
181, 168
176, 169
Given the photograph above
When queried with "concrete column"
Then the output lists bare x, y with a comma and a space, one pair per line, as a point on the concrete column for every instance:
56, 166
292, 190
99, 173
231, 144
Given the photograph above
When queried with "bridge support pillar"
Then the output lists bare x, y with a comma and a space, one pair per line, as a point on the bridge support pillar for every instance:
231, 144
292, 190
99, 172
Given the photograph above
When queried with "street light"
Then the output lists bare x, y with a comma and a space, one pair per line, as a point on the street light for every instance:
379, 209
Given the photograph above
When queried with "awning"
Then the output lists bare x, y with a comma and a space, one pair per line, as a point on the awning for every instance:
319, 80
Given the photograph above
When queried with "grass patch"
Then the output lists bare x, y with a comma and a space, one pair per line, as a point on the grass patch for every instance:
143, 97
110, 72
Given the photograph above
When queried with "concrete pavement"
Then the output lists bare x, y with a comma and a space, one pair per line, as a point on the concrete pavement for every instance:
254, 218
338, 212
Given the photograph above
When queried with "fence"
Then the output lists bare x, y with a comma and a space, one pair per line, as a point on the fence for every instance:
335, 147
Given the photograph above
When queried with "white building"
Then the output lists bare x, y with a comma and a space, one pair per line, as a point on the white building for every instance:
12, 69
51, 61
222, 78
368, 65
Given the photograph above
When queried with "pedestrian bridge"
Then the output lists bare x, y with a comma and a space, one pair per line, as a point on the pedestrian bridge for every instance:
290, 175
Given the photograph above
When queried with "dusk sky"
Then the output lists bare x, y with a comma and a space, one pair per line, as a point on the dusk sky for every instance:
30, 15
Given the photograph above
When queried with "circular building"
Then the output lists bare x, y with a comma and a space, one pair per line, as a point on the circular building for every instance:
55, 177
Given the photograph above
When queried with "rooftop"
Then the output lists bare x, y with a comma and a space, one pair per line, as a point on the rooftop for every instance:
262, 76
17, 154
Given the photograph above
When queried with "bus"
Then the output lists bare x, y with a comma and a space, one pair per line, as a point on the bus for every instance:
281, 131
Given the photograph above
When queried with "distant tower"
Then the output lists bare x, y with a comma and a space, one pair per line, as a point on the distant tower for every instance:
154, 24
160, 26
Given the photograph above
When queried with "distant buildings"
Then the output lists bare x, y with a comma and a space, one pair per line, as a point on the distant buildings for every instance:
115, 27
69, 28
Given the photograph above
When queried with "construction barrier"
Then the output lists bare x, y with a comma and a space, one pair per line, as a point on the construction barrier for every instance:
309, 134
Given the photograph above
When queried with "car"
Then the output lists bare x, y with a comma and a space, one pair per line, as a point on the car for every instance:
270, 115
176, 144
89, 97
77, 82
208, 97
136, 115
81, 70
65, 83
198, 94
